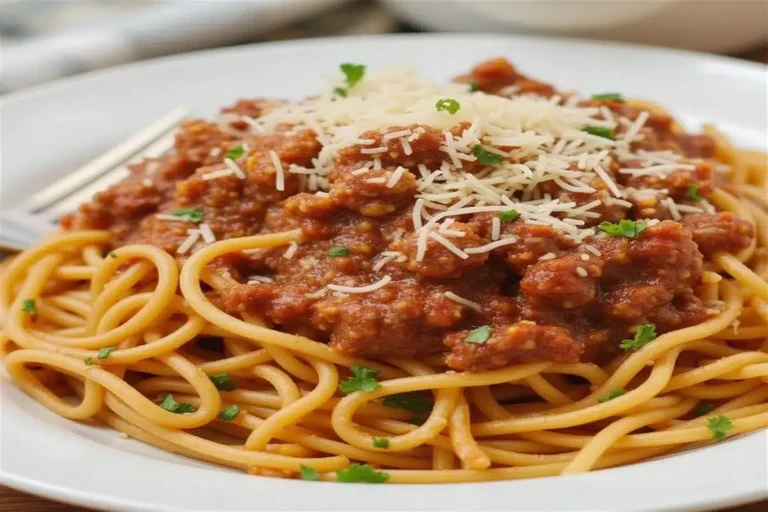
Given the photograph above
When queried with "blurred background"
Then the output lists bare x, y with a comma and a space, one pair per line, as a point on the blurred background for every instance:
42, 40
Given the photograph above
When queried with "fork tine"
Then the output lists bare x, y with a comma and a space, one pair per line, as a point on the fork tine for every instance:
119, 154
71, 202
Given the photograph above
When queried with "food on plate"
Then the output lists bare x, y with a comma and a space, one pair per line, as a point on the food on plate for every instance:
400, 281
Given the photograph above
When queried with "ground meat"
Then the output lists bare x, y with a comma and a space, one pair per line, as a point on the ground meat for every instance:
121, 207
370, 194
533, 241
512, 344
203, 143
424, 143
681, 186
719, 232
567, 282
442, 262
494, 75
254, 108
403, 320
696, 145
644, 274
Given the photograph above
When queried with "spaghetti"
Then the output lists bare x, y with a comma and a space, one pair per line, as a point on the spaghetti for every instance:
258, 333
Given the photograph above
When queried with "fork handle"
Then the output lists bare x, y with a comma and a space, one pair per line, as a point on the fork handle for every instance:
22, 228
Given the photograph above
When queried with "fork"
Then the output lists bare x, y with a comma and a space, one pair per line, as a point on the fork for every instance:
21, 225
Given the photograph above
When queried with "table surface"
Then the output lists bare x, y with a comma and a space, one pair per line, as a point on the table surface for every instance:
15, 501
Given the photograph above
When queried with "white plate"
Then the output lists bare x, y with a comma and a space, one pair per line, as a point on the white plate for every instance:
48, 130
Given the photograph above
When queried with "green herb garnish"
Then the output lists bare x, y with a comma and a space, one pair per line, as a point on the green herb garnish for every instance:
508, 215
105, 352
719, 425
222, 381
188, 214
414, 401
357, 473
234, 153
473, 86
614, 393
29, 307
625, 228
353, 73
447, 105
485, 157
338, 252
380, 442
308, 473
479, 335
693, 193
88, 361
339, 91
112, 255
229, 413
171, 405
362, 379
609, 96
645, 334
600, 131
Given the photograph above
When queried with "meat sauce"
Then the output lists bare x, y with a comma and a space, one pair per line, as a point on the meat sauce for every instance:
543, 298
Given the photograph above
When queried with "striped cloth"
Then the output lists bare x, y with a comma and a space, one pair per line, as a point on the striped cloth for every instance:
43, 40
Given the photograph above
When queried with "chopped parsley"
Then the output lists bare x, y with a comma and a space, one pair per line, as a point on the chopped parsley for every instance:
614, 393
105, 352
235, 153
448, 105
188, 214
338, 252
88, 361
229, 413
693, 193
609, 96
600, 131
625, 228
362, 379
222, 381
645, 334
719, 425
473, 86
171, 405
308, 473
380, 442
703, 409
357, 473
413, 401
113, 255
29, 307
508, 215
479, 335
484, 156
353, 73
339, 91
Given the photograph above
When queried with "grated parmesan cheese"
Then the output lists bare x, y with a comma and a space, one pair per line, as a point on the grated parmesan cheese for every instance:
291, 251
361, 289
463, 301
193, 235
279, 172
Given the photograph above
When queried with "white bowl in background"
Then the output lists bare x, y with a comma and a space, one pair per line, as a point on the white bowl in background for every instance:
719, 26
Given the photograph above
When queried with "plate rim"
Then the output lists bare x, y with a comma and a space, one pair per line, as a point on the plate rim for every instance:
747, 70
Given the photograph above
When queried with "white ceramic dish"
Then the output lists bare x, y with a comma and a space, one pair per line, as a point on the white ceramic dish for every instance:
50, 129
704, 25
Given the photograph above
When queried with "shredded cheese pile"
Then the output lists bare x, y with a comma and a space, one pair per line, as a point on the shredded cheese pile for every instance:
534, 140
